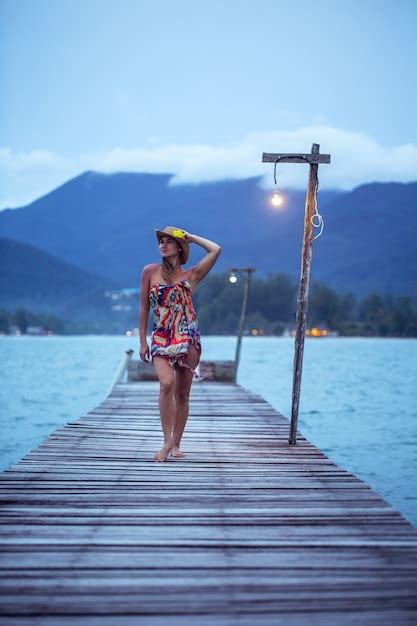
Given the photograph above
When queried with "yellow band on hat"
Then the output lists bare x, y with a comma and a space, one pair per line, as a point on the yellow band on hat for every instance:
179, 233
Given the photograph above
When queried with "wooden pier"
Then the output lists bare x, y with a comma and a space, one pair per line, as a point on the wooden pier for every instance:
246, 530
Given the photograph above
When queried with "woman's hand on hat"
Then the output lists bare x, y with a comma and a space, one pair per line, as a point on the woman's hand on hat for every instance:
188, 236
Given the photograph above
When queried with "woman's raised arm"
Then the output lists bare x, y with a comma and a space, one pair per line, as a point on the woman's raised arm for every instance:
204, 266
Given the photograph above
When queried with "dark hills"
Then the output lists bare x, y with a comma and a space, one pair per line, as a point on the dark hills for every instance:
104, 224
33, 279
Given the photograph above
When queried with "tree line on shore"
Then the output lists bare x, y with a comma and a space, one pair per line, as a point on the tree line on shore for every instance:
273, 301
22, 319
271, 310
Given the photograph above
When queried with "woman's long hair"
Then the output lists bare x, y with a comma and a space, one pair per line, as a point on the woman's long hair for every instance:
167, 271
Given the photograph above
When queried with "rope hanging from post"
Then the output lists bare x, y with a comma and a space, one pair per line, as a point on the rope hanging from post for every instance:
320, 222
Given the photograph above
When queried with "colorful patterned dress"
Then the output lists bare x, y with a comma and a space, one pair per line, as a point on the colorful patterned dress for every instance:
175, 324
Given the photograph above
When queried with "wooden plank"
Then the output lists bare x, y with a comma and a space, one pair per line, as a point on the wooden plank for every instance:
317, 618
244, 530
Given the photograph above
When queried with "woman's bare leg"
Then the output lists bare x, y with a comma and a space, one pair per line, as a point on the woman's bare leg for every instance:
182, 385
165, 373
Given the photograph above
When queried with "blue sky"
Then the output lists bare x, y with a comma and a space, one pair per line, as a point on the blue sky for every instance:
201, 89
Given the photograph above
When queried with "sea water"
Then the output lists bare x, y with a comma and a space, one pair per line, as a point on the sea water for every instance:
358, 396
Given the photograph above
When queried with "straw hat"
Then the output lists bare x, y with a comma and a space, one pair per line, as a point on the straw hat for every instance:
179, 235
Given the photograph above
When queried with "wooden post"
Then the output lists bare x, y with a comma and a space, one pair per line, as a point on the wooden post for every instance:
306, 254
302, 301
123, 365
247, 272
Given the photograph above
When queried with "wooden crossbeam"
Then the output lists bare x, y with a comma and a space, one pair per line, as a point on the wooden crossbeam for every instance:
286, 157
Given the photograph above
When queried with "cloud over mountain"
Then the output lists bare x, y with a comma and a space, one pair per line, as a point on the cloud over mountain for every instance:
355, 159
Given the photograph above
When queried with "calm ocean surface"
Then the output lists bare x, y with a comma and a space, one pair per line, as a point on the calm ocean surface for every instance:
358, 396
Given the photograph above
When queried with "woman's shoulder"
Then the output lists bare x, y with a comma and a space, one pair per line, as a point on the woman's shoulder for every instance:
149, 268
148, 272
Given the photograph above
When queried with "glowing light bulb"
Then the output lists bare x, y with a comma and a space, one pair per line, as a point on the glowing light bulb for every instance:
233, 278
277, 198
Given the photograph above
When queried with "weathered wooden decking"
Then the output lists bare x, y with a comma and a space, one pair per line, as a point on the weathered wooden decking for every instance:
246, 530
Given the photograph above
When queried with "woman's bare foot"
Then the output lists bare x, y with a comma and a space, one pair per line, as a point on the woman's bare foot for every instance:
162, 455
176, 452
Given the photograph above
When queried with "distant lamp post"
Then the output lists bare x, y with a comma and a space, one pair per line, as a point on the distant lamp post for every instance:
312, 218
246, 273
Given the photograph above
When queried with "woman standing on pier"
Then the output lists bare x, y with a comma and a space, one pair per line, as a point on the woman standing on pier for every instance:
175, 343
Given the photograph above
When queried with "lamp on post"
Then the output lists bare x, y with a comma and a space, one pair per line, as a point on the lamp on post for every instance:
312, 218
246, 272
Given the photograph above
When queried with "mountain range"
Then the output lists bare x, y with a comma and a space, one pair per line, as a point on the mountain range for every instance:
103, 225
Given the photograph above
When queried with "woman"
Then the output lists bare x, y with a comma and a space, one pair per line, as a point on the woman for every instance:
175, 344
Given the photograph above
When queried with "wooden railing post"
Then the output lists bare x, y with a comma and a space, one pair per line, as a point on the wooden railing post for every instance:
123, 365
